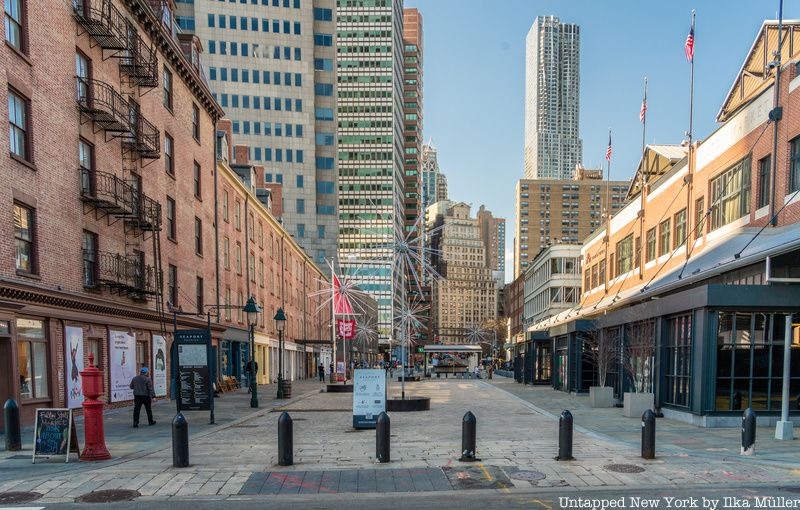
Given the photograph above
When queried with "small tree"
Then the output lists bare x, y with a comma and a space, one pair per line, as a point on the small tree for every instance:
640, 350
602, 350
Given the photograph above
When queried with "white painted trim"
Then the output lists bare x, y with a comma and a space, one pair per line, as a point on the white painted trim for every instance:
760, 213
669, 182
791, 198
650, 265
794, 83
727, 229
625, 216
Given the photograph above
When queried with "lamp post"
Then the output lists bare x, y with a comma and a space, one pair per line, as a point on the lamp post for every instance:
280, 323
251, 309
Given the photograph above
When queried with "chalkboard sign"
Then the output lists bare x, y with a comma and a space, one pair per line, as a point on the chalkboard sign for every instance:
53, 433
194, 376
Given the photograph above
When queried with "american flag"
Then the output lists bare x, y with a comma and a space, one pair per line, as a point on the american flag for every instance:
689, 46
608, 151
643, 111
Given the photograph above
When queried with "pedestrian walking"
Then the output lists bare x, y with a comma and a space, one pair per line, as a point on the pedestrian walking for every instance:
254, 365
142, 388
321, 371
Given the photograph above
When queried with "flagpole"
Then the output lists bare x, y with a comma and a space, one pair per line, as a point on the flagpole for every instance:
691, 90
333, 321
644, 121
608, 179
641, 180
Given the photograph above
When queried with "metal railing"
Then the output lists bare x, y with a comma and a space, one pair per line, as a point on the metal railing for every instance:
100, 102
102, 21
144, 138
120, 199
139, 62
125, 273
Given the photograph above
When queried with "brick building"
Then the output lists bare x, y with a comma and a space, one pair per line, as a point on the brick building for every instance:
697, 275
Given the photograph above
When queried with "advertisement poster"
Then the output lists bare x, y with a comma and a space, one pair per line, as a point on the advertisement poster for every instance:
123, 364
159, 365
192, 349
74, 357
369, 397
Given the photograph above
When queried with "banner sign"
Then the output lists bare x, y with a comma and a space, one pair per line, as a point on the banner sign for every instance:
123, 364
193, 348
159, 365
346, 328
369, 397
74, 357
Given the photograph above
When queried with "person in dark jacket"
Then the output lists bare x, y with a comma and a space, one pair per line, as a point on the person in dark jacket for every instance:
321, 371
142, 388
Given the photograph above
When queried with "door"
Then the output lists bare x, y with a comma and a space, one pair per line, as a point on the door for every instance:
6, 374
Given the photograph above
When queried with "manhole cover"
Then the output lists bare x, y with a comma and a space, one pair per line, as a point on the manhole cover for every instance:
108, 496
528, 476
624, 468
14, 498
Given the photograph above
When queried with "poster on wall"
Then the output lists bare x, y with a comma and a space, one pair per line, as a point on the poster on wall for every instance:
74, 356
123, 364
159, 365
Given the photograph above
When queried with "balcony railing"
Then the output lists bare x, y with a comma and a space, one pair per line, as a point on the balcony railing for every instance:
143, 137
102, 21
107, 108
125, 274
120, 199
139, 63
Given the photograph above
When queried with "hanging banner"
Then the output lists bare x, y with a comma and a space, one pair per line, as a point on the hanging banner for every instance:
159, 365
346, 328
74, 358
122, 357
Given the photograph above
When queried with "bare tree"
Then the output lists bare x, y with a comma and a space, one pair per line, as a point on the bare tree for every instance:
640, 350
601, 349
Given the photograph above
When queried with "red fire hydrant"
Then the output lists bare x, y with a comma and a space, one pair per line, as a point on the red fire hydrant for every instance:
94, 436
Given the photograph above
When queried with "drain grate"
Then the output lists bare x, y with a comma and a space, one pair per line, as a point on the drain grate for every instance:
528, 476
108, 496
244, 426
15, 498
624, 468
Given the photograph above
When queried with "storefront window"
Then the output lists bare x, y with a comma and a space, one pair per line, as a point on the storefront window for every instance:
141, 355
93, 346
678, 361
32, 359
750, 361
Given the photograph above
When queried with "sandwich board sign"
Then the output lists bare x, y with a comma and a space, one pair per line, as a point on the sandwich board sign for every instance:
369, 397
54, 434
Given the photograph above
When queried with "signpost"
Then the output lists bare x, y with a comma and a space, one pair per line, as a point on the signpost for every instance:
54, 434
369, 397
193, 378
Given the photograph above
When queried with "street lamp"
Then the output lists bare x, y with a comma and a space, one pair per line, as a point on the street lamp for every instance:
280, 323
251, 309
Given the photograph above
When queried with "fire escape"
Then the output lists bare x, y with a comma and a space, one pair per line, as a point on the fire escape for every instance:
117, 115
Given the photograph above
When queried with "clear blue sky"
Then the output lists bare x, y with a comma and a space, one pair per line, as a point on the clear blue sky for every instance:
474, 81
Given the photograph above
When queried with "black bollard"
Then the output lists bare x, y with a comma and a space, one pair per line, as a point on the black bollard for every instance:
180, 441
748, 432
565, 436
468, 433
11, 421
649, 435
382, 438
285, 440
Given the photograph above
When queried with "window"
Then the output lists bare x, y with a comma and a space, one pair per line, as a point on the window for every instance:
32, 358
85, 159
82, 72
260, 235
323, 113
227, 303
651, 245
198, 173
226, 253
198, 236
25, 238
680, 228
172, 285
664, 237
141, 354
167, 88
199, 294
637, 253
261, 272
301, 230
323, 40
323, 14
89, 259
601, 274
94, 346
794, 165
15, 35
225, 205
763, 182
323, 64
237, 215
196, 122
169, 154
301, 205
299, 179
296, 28
251, 266
250, 227
587, 280
625, 255
18, 125
171, 227
238, 258
678, 361
730, 194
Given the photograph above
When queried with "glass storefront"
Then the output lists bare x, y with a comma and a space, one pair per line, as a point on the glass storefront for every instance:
32, 359
750, 361
678, 361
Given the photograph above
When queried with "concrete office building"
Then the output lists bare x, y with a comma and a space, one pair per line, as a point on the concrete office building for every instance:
552, 211
552, 282
467, 297
493, 235
370, 107
552, 99
430, 175
270, 65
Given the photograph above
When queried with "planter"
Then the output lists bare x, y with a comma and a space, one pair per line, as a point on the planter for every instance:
409, 404
635, 404
601, 396
339, 388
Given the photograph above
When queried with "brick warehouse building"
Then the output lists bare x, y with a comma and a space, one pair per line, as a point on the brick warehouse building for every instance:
110, 184
691, 275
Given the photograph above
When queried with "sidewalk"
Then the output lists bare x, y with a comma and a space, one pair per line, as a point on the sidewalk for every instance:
125, 442
671, 435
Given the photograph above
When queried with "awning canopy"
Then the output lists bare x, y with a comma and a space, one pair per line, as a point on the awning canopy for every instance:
453, 348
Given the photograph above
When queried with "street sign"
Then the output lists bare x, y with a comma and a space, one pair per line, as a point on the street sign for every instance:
193, 348
369, 397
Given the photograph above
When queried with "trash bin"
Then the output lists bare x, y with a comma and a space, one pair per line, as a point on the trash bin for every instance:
287, 389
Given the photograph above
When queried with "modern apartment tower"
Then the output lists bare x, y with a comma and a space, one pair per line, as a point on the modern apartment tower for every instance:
552, 99
271, 67
370, 110
412, 115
